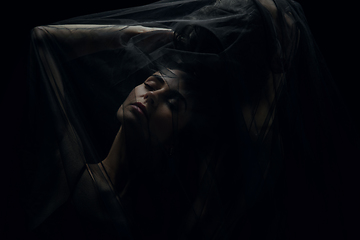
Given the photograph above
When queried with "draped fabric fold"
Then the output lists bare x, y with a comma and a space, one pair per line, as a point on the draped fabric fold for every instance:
265, 113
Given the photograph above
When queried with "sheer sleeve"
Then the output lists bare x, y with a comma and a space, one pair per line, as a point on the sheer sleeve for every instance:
268, 133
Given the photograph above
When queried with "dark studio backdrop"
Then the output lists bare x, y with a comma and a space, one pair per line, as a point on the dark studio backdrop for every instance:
332, 23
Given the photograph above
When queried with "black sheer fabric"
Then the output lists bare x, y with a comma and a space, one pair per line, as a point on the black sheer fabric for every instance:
265, 119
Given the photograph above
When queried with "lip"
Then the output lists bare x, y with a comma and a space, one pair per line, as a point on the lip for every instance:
141, 107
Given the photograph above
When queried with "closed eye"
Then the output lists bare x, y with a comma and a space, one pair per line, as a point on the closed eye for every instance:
153, 83
150, 88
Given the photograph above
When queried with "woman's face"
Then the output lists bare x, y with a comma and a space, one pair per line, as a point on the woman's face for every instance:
157, 107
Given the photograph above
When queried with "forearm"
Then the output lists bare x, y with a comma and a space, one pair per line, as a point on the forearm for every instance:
80, 40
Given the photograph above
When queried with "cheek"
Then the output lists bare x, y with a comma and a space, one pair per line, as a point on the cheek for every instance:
161, 124
130, 99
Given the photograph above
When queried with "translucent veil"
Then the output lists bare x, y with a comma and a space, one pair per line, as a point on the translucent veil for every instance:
268, 117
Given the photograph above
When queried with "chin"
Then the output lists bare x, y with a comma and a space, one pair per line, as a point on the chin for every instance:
132, 124
120, 113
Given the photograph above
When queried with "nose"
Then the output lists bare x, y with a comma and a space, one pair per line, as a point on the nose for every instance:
151, 97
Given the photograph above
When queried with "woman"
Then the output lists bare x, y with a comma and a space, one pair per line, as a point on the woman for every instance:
214, 111
152, 117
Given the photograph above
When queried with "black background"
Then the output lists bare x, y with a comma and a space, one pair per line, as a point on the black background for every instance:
333, 24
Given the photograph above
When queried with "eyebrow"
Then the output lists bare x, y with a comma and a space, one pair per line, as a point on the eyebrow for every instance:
173, 92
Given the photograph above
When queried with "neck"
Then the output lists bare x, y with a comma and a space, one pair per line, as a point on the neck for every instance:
125, 163
115, 163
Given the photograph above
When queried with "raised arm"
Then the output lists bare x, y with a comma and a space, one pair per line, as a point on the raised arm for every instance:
82, 39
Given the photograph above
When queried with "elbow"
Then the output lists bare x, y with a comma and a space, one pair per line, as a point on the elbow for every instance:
38, 33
